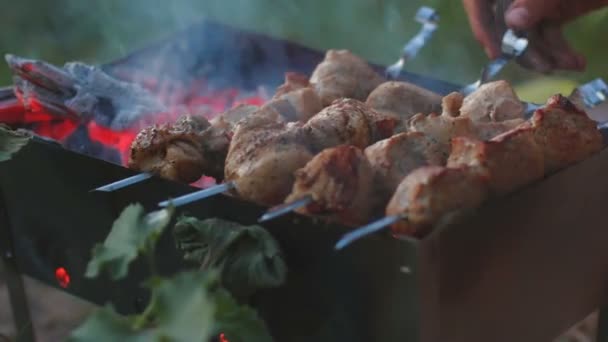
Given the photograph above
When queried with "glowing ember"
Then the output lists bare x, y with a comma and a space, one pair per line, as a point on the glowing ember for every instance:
62, 276
199, 100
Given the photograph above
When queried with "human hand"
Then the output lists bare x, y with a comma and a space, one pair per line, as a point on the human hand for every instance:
542, 20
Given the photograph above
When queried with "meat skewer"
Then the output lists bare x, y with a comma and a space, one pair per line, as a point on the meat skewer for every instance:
251, 165
293, 101
556, 136
389, 160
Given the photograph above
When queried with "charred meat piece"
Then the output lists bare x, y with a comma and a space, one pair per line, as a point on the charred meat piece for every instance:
435, 195
494, 101
509, 161
343, 75
262, 158
403, 100
394, 158
339, 181
565, 134
173, 151
348, 122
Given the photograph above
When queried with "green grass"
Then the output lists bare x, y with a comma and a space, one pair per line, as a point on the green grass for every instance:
97, 31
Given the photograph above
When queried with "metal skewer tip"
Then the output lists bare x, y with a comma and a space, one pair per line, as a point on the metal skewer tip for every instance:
286, 208
429, 18
198, 195
594, 93
369, 229
123, 183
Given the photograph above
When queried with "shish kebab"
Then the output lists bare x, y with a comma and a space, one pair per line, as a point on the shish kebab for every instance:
257, 169
327, 183
493, 109
427, 16
556, 136
344, 121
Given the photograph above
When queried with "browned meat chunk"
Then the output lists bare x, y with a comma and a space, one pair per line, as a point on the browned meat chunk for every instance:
451, 124
435, 195
293, 81
403, 100
296, 99
339, 181
565, 134
394, 158
344, 75
348, 122
262, 159
173, 151
494, 101
509, 161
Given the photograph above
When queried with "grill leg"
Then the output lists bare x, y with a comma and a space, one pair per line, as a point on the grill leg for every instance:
14, 281
602, 325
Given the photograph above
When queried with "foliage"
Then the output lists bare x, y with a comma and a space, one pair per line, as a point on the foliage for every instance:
11, 142
248, 257
133, 232
189, 306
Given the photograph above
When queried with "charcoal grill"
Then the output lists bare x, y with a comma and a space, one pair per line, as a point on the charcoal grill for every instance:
524, 269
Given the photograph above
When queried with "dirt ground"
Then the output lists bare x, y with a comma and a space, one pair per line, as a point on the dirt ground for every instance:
56, 313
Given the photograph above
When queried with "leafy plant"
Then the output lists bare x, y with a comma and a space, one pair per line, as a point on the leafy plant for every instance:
247, 257
11, 142
189, 306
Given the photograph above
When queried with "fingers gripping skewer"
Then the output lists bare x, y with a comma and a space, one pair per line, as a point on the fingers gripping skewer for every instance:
512, 46
429, 19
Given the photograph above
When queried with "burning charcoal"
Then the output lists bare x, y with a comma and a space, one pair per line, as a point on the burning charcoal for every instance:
81, 90
81, 142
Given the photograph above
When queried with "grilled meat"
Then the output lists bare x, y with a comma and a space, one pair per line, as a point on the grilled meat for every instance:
343, 75
173, 151
349, 122
394, 158
451, 124
403, 100
263, 156
295, 99
434, 195
339, 181
565, 134
509, 161
494, 101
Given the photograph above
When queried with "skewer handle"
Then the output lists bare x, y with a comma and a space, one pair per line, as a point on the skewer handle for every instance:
286, 208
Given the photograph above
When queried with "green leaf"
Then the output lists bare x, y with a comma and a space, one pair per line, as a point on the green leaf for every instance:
132, 233
184, 310
238, 323
11, 142
180, 310
106, 325
248, 257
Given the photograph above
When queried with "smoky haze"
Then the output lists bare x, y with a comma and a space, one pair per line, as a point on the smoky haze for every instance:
98, 31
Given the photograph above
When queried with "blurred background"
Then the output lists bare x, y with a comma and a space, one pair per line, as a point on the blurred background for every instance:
98, 31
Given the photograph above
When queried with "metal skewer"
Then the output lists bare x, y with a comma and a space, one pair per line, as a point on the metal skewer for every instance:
593, 94
429, 19
124, 183
512, 46
198, 195
286, 208
366, 230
